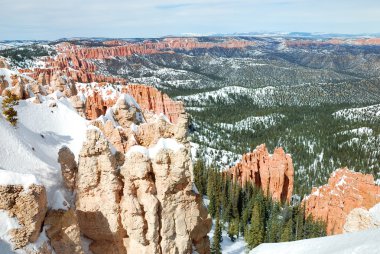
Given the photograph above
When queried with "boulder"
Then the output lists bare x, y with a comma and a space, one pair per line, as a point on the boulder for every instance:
29, 207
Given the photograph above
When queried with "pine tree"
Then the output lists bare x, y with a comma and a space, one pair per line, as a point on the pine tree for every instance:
233, 229
200, 176
299, 222
256, 229
211, 192
273, 227
286, 235
217, 238
9, 102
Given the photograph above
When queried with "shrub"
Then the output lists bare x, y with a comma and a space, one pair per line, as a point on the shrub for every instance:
9, 102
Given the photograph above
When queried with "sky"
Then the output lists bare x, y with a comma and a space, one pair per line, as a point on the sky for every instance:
54, 19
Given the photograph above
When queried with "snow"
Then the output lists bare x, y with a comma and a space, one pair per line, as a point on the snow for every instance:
59, 201
221, 158
249, 122
7, 224
228, 246
32, 148
375, 213
227, 95
352, 243
14, 178
358, 131
162, 144
370, 113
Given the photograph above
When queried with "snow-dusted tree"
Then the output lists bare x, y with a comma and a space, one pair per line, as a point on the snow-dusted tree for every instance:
9, 102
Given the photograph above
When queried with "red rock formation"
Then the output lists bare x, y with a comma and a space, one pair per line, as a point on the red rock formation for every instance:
344, 191
273, 173
149, 98
76, 53
74, 61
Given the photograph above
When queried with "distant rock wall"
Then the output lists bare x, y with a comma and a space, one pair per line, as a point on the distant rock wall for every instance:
273, 173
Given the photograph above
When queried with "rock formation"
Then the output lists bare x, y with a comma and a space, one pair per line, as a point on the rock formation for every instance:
69, 167
28, 207
362, 219
273, 173
150, 98
63, 232
98, 196
345, 191
145, 202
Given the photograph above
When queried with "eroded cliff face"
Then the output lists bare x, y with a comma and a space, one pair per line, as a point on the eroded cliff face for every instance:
272, 173
345, 191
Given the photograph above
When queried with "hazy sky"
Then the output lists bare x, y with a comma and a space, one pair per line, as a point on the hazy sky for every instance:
53, 19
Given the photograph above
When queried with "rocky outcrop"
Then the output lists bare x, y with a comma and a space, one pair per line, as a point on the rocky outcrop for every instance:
145, 200
272, 173
362, 219
69, 167
4, 63
63, 232
29, 207
345, 191
98, 188
149, 98
143, 98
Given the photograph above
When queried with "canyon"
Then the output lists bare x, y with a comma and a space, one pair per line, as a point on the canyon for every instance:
127, 183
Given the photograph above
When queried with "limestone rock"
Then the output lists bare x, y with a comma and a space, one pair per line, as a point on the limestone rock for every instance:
69, 167
159, 210
273, 173
78, 104
358, 219
345, 191
29, 207
149, 98
98, 195
64, 232
362, 219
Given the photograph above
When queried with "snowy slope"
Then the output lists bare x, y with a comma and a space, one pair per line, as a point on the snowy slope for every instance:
229, 95
32, 147
357, 114
365, 242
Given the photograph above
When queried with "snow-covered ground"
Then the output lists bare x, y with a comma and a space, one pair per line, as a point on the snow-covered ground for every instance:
247, 123
357, 114
222, 158
29, 153
227, 95
31, 149
228, 246
365, 242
